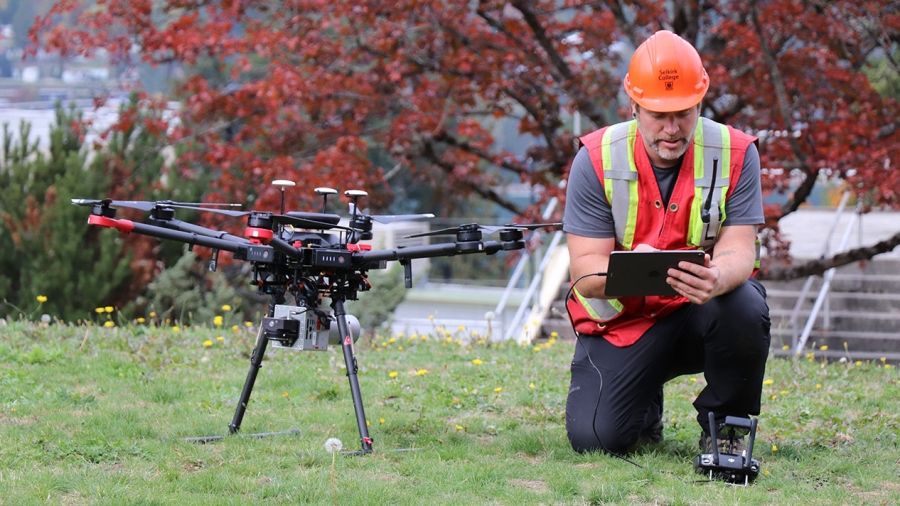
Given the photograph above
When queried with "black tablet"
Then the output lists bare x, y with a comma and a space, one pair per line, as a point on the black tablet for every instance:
644, 272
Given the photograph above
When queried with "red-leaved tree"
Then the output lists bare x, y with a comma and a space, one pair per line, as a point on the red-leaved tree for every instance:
317, 90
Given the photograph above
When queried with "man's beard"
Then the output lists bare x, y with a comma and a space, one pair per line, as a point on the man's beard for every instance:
668, 153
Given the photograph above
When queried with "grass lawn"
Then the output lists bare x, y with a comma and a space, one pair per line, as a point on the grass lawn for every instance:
98, 415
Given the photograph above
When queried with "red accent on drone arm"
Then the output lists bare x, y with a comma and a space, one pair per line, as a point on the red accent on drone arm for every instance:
124, 226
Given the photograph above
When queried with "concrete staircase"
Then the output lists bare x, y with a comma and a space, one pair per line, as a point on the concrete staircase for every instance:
860, 319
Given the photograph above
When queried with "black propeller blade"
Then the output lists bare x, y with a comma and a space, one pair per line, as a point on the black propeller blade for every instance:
487, 229
147, 206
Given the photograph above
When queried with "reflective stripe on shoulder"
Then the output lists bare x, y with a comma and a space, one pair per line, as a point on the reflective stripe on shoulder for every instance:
620, 178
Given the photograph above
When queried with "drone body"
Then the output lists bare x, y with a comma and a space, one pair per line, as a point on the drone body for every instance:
307, 257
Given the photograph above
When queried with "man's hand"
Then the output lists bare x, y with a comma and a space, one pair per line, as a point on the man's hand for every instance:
697, 283
731, 265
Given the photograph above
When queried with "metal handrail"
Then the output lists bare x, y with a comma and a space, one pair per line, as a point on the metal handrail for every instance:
532, 288
807, 285
499, 310
822, 296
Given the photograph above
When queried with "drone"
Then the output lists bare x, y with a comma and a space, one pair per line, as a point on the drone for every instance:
300, 258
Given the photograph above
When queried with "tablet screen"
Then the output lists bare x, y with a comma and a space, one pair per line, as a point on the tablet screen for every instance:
644, 272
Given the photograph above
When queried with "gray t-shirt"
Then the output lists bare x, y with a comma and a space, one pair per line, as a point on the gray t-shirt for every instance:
588, 214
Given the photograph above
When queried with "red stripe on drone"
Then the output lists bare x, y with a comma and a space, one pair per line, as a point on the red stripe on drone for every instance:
124, 226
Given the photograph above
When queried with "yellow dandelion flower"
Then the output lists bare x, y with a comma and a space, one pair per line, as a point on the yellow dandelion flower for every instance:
824, 347
400, 348
818, 386
208, 343
536, 349
226, 307
460, 428
774, 447
768, 382
476, 361
393, 374
218, 320
109, 324
247, 324
176, 328
693, 380
152, 314
99, 310
140, 319
285, 394
554, 334
785, 347
857, 363
392, 340
235, 328
773, 397
421, 372
221, 339
381, 421
497, 390
108, 309
531, 386
461, 328
41, 299
882, 359
368, 423
888, 366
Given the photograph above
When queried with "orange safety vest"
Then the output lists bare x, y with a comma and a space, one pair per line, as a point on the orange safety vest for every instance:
620, 159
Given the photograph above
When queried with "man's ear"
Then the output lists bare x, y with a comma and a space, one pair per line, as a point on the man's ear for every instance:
633, 110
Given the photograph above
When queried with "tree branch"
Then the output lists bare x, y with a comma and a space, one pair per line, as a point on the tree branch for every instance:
819, 266
428, 152
781, 95
444, 137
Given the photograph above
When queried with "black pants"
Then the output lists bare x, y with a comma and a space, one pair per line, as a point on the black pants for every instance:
727, 339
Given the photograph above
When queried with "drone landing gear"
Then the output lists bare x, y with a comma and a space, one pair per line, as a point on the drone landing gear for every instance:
736, 467
256, 359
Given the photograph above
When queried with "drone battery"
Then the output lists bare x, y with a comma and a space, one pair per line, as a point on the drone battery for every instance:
259, 253
332, 258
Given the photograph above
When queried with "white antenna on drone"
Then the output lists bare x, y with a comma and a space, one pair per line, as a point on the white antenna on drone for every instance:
324, 191
282, 184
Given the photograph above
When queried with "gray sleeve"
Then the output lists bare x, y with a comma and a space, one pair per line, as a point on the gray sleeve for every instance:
587, 212
744, 206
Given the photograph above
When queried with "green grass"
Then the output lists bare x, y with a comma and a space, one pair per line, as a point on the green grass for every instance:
97, 415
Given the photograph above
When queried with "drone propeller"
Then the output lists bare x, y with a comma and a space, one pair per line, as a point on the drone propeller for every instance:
147, 206
487, 229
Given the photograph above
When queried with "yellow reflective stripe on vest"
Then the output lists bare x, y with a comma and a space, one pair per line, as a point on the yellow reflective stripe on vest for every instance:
712, 147
599, 309
620, 179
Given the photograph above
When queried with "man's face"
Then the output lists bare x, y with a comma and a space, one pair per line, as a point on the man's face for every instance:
667, 135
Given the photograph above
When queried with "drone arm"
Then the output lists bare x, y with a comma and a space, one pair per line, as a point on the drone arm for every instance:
285, 247
197, 229
427, 251
126, 226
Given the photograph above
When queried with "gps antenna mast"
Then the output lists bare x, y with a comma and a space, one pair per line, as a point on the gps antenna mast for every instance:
282, 184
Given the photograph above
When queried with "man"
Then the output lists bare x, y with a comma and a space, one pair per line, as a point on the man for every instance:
668, 180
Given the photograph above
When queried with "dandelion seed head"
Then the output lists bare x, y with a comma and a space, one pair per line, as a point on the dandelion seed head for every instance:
333, 445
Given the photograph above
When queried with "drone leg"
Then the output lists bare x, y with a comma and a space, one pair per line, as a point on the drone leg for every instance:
255, 363
350, 361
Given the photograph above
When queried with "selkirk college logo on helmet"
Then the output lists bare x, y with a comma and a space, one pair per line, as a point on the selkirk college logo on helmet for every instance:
670, 85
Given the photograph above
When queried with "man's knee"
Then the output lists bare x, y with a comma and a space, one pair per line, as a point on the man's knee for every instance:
590, 436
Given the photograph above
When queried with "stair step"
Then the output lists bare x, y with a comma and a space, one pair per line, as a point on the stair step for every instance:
891, 356
864, 315
812, 294
840, 334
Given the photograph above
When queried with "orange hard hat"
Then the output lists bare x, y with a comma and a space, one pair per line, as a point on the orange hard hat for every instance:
666, 74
